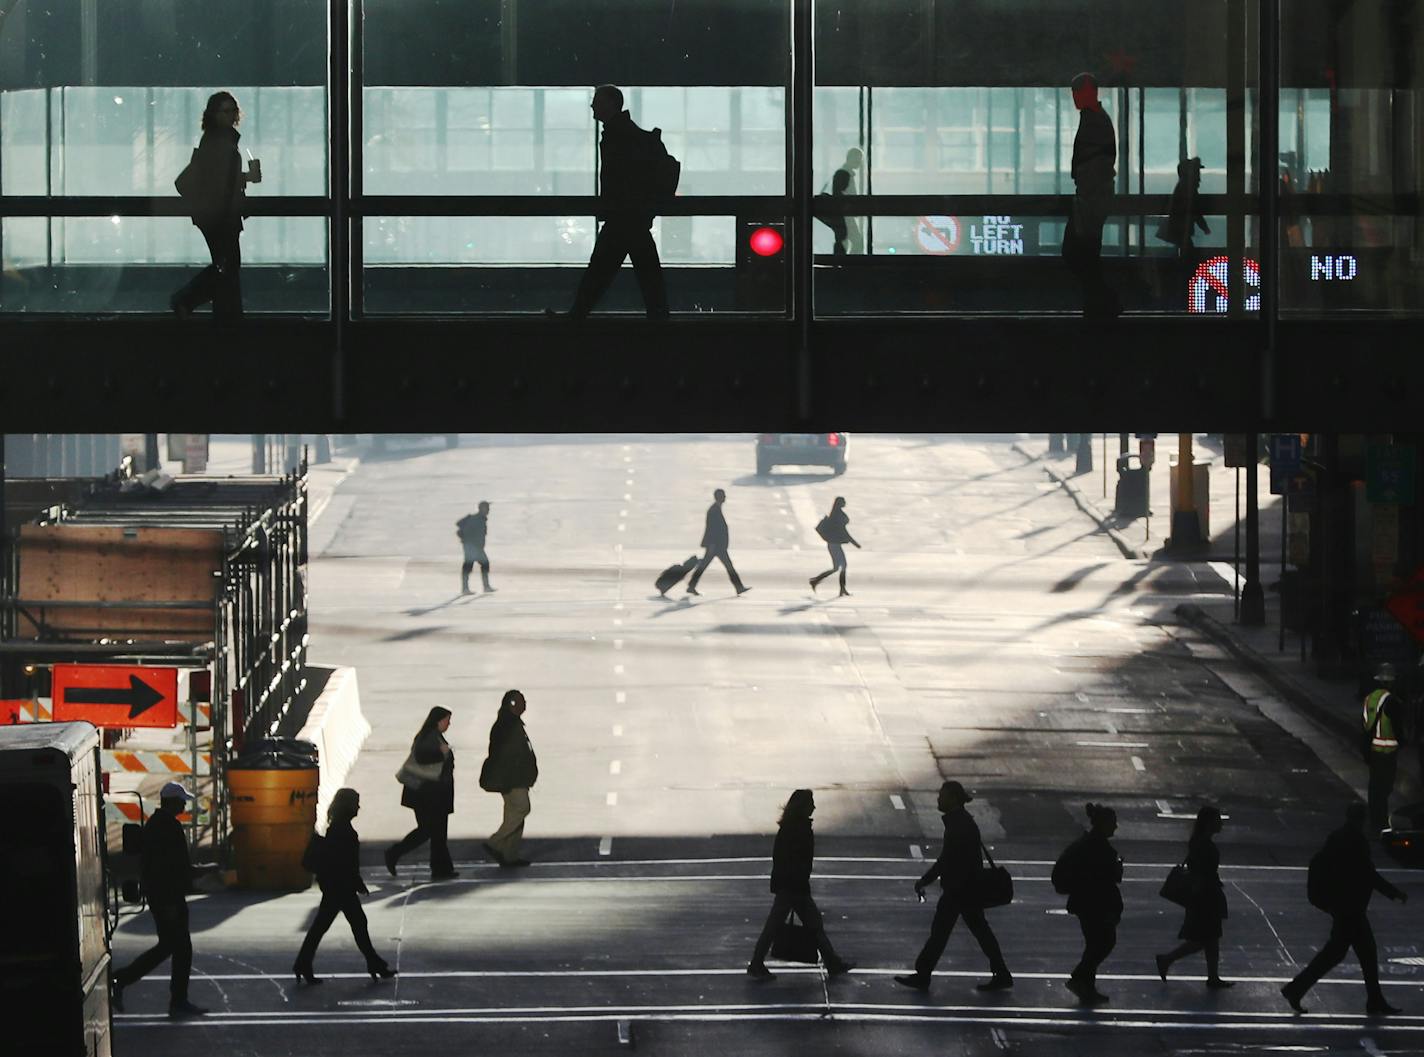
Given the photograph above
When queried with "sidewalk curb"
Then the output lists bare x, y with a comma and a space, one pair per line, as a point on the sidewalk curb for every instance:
1086, 505
1408, 785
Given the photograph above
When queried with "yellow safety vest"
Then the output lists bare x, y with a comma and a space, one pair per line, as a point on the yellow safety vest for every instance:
1381, 739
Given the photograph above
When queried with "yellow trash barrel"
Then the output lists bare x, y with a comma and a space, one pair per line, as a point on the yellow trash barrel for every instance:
273, 794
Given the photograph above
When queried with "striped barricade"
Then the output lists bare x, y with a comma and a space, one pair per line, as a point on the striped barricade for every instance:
186, 710
151, 761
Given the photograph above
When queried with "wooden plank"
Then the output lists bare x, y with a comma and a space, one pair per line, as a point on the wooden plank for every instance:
116, 564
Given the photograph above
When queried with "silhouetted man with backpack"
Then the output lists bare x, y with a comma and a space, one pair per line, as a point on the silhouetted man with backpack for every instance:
637, 177
1341, 880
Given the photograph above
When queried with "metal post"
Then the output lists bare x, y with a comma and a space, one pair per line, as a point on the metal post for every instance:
1285, 532
1236, 554
1055, 444
803, 80
1084, 463
150, 451
1269, 249
259, 453
1236, 155
338, 187
1253, 599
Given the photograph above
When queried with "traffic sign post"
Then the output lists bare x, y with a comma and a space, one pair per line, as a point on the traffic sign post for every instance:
115, 695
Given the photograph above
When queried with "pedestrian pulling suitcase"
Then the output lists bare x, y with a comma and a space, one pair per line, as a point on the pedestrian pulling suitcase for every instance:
673, 574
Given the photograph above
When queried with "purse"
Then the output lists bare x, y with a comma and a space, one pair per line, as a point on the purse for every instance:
315, 855
413, 774
794, 942
993, 884
1178, 887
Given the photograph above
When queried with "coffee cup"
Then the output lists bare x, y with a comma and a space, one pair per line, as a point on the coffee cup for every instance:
254, 169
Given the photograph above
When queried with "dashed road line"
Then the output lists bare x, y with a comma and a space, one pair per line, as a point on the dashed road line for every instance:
615, 767
1137, 764
897, 802
1112, 744
916, 852
620, 697
611, 799
618, 730
605, 846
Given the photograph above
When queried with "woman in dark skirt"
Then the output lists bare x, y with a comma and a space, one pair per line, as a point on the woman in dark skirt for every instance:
833, 530
791, 859
432, 801
1095, 899
339, 876
1201, 930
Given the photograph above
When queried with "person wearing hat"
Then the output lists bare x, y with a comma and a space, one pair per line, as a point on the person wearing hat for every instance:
167, 875
958, 865
1380, 733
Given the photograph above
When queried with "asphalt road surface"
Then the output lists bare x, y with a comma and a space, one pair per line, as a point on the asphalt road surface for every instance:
992, 636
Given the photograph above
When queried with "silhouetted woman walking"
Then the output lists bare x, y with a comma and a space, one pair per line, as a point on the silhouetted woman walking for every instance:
832, 528
1201, 929
339, 877
1095, 872
215, 189
428, 776
791, 858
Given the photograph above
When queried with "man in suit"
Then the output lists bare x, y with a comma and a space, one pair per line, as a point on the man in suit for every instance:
471, 529
1354, 880
714, 539
957, 867
167, 876
628, 203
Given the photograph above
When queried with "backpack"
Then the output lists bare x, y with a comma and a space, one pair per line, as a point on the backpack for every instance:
666, 170
1067, 870
1321, 883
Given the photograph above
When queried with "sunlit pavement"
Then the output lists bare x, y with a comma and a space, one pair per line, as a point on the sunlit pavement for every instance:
993, 635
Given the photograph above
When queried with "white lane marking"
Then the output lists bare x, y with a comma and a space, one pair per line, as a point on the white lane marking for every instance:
627, 497
605, 846
617, 622
897, 802
1111, 729
1058, 911
916, 852
625, 1032
620, 697
617, 669
618, 730
494, 974
379, 1002
627, 458
617, 644
618, 605
611, 800
623, 513
1081, 696
1129, 711
622, 527
1000, 1039
1371, 1047
628, 483
631, 470
1163, 808
1113, 744
1137, 764
615, 767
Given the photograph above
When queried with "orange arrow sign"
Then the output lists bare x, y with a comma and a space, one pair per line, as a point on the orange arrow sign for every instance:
116, 695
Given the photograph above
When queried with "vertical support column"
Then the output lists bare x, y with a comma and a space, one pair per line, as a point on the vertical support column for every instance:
338, 187
1236, 156
1269, 25
803, 81
1253, 599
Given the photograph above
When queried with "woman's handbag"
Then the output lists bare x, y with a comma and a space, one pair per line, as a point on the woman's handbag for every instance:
315, 855
794, 942
1178, 887
413, 774
993, 884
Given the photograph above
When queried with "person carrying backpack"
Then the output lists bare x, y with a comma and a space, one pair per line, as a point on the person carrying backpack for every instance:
832, 528
637, 178
1089, 872
1341, 881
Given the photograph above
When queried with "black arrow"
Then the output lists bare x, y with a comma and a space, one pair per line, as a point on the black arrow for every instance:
139, 696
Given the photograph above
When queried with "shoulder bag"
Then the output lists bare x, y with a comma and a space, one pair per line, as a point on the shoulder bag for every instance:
1178, 887
794, 942
413, 774
993, 884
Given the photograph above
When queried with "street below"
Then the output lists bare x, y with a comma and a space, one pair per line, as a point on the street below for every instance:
993, 634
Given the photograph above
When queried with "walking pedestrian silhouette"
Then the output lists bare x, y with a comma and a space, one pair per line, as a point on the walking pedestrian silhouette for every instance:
792, 856
1206, 906
1089, 873
637, 177
715, 539
1094, 158
1341, 880
957, 869
832, 528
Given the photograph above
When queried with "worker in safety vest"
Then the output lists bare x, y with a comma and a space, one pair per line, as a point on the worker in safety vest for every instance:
1381, 743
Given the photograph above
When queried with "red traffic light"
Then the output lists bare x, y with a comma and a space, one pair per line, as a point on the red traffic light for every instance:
766, 242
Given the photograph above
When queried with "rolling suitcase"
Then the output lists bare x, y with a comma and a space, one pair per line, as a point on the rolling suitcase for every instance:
673, 574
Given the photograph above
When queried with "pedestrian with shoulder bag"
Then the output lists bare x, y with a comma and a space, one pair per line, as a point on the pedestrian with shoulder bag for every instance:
510, 769
1089, 872
428, 788
1205, 901
966, 888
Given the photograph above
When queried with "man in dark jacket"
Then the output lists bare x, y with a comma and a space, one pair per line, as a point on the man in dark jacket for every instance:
715, 539
471, 530
511, 770
167, 875
628, 186
1354, 880
957, 869
1094, 157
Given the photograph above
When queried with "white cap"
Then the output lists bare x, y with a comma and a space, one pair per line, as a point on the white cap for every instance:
174, 791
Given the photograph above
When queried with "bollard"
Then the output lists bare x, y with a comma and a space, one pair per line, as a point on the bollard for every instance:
1055, 444
1085, 453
